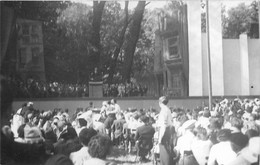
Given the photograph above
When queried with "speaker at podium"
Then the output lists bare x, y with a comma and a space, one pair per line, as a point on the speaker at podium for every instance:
96, 89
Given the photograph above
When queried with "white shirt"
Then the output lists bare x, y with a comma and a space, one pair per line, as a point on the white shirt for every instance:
96, 161
200, 150
184, 142
165, 117
222, 153
80, 157
164, 120
117, 108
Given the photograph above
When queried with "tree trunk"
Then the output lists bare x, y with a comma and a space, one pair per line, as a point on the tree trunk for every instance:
119, 46
134, 32
98, 8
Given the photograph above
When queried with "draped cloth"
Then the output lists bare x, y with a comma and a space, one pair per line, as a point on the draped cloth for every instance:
7, 27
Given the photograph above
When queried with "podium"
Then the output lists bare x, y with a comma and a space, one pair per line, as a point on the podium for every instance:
95, 89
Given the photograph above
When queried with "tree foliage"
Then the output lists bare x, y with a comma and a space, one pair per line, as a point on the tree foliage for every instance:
239, 20
236, 20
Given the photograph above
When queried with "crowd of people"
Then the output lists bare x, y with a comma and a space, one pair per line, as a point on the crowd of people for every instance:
227, 134
124, 90
39, 89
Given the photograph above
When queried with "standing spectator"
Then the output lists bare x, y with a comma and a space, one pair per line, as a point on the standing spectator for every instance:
108, 123
90, 107
164, 123
115, 106
18, 120
104, 107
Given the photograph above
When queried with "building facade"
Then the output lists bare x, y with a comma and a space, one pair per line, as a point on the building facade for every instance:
171, 59
181, 64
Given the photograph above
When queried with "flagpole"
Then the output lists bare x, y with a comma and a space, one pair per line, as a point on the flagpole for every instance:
208, 57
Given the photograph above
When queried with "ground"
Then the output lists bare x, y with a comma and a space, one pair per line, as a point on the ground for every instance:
120, 156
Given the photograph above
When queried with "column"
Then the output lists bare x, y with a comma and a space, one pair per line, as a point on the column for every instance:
195, 53
259, 17
216, 49
244, 64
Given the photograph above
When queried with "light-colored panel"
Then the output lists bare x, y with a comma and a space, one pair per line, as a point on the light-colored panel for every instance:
204, 65
195, 55
244, 64
232, 68
216, 52
254, 66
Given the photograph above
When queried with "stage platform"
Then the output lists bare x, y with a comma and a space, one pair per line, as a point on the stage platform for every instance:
133, 102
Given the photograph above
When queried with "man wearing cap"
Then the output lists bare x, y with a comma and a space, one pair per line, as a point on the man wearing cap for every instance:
165, 125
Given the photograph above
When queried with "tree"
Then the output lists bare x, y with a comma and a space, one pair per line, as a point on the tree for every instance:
98, 8
113, 61
132, 39
75, 23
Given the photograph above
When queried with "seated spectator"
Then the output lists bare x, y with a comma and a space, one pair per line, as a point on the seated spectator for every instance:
103, 116
117, 128
59, 159
184, 143
20, 138
63, 130
99, 147
79, 157
251, 133
238, 141
222, 152
33, 135
201, 146
82, 123
236, 124
250, 154
214, 127
143, 137
99, 127
203, 121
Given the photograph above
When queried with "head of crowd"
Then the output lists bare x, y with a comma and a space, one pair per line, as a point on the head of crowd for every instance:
88, 135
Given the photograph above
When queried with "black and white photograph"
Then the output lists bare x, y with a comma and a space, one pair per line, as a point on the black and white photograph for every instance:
116, 82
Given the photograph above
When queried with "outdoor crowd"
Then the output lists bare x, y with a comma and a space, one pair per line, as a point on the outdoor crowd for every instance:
226, 135
39, 89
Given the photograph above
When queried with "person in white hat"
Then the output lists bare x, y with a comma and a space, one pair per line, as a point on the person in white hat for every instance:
184, 143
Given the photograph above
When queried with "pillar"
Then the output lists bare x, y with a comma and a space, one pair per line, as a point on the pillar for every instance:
259, 18
195, 53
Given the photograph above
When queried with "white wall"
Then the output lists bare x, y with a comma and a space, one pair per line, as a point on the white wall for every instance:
232, 69
232, 66
254, 66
